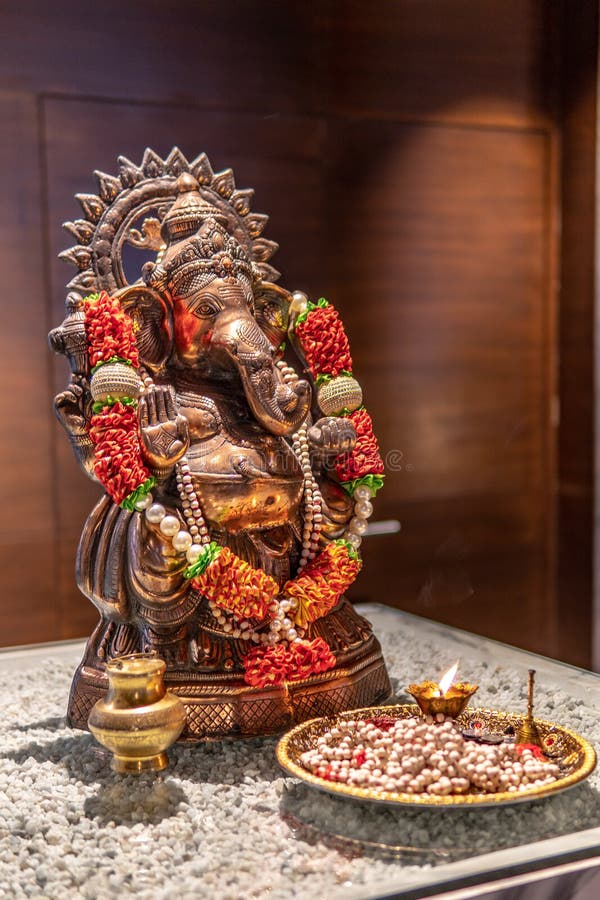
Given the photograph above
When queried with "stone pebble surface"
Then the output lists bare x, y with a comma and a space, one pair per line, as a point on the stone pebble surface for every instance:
224, 822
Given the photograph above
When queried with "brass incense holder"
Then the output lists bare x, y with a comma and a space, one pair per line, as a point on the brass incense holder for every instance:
528, 732
138, 719
432, 700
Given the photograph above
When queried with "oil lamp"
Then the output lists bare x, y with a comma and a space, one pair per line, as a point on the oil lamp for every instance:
445, 697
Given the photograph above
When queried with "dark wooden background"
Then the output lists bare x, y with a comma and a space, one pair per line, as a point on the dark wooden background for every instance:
428, 166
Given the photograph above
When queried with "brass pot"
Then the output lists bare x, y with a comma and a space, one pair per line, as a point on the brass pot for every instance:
138, 719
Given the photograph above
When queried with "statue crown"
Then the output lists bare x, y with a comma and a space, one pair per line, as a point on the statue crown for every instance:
189, 211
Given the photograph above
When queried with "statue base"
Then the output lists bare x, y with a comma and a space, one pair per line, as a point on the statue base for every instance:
221, 705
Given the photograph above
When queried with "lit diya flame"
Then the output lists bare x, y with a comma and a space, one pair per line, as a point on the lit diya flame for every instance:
447, 679
446, 698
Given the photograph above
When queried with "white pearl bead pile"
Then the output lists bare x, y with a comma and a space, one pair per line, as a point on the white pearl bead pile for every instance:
423, 756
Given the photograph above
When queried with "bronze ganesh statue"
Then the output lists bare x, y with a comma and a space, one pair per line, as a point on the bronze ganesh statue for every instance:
234, 501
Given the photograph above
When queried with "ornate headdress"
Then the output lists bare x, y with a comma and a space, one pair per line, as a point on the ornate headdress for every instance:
152, 207
168, 197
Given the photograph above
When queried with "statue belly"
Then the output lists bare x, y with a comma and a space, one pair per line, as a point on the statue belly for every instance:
238, 504
242, 487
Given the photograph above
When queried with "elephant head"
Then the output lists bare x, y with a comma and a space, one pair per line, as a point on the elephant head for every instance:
225, 321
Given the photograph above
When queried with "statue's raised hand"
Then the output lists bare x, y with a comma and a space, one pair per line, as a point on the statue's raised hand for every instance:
331, 436
163, 429
73, 407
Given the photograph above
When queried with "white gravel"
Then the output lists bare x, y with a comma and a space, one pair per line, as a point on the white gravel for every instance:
224, 823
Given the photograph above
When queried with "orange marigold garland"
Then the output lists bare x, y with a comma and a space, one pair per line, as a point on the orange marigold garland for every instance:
113, 357
236, 586
319, 586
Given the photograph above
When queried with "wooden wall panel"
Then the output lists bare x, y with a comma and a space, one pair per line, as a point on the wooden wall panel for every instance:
476, 562
236, 54
577, 337
27, 528
439, 266
450, 60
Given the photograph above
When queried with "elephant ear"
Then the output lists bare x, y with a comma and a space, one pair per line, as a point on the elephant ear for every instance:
271, 309
152, 323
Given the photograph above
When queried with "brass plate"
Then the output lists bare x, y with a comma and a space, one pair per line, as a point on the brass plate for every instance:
572, 752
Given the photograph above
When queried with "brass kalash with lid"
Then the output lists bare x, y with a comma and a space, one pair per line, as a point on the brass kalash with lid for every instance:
236, 492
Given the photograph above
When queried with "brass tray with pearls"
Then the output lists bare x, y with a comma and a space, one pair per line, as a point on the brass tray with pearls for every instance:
567, 758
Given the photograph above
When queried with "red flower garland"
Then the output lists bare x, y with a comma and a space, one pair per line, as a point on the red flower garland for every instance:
114, 429
325, 347
118, 464
276, 664
324, 342
364, 458
109, 331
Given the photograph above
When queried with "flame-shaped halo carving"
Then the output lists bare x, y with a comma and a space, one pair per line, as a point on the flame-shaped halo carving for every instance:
111, 216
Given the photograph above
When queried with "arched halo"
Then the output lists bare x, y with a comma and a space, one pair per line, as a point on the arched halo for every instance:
146, 193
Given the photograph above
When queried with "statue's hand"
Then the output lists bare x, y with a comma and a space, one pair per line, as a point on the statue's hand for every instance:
163, 429
73, 407
331, 436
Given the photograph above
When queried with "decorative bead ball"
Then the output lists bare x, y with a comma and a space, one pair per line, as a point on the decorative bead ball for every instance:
354, 539
362, 492
169, 526
156, 513
182, 541
115, 380
341, 393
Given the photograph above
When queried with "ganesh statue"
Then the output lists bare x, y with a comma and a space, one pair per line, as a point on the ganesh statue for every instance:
236, 485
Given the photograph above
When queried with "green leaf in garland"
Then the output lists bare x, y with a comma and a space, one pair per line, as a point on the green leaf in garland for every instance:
373, 482
113, 359
100, 405
139, 493
321, 303
209, 554
352, 551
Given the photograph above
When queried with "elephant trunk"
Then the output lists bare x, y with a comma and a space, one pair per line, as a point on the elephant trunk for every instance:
279, 408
